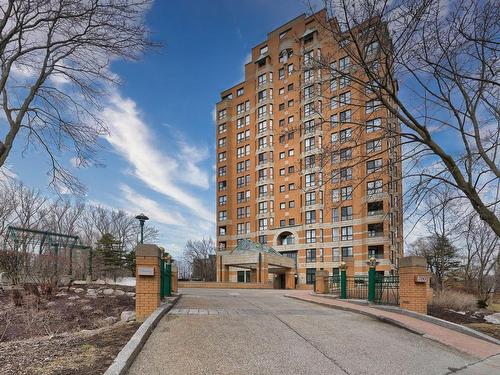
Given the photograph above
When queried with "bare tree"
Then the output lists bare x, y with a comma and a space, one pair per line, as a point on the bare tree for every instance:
199, 254
433, 67
55, 58
482, 249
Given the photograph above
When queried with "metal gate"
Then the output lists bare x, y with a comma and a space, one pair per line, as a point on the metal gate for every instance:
165, 279
387, 290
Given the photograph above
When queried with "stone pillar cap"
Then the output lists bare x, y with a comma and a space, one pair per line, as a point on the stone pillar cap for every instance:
322, 273
413, 261
147, 250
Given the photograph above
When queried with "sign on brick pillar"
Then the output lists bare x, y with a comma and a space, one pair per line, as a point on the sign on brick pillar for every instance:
321, 284
147, 288
413, 284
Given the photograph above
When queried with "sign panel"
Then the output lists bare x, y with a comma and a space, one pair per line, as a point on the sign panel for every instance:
421, 279
146, 271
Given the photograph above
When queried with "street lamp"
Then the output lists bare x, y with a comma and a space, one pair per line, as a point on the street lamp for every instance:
142, 218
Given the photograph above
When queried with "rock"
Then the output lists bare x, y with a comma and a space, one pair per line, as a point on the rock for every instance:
127, 316
119, 292
108, 292
110, 320
73, 298
87, 308
130, 294
80, 282
61, 294
79, 290
69, 304
84, 301
493, 318
51, 303
91, 291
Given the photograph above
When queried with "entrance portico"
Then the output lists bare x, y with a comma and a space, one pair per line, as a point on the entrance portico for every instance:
263, 262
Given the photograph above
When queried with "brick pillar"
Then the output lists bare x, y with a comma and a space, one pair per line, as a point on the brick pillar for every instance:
147, 289
224, 274
321, 284
174, 279
262, 269
413, 284
253, 276
290, 279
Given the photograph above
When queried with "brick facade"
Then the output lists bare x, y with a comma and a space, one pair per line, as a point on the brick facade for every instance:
264, 190
413, 295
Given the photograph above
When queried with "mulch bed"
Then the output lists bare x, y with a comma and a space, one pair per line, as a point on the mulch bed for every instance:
473, 320
72, 333
70, 354
70, 313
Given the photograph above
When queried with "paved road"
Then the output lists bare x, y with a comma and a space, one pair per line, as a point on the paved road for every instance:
262, 332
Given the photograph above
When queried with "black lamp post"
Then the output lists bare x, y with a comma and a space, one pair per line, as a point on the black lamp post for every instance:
142, 218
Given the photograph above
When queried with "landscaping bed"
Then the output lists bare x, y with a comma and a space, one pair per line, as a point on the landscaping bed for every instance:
474, 320
78, 330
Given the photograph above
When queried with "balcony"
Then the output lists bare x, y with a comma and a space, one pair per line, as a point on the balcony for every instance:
376, 230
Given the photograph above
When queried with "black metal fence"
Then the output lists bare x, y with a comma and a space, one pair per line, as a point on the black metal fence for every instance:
357, 287
334, 284
387, 290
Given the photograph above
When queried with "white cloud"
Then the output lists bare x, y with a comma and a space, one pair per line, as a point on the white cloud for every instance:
136, 202
131, 137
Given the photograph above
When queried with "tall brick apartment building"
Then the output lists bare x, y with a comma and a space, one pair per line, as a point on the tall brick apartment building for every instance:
305, 162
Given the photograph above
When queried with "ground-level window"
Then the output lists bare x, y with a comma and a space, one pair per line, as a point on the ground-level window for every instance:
243, 276
310, 275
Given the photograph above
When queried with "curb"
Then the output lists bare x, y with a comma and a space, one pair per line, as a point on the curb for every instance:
371, 315
127, 355
426, 318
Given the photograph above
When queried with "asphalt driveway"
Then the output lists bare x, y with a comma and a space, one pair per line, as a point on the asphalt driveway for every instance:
219, 331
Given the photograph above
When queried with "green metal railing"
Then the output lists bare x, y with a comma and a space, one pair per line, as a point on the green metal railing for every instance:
375, 288
386, 290
165, 279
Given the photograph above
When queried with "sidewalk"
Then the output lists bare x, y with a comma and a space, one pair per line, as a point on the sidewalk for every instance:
462, 342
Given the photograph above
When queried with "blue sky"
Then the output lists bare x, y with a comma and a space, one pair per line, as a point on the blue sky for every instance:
161, 153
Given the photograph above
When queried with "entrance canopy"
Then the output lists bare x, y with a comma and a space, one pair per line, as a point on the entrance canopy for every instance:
250, 255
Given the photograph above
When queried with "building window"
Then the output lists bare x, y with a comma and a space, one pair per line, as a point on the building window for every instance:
333, 102
222, 185
335, 255
345, 154
346, 213
310, 255
222, 200
222, 114
310, 276
291, 221
262, 79
373, 125
346, 193
345, 98
263, 50
310, 180
222, 156
374, 146
222, 231
373, 165
345, 116
345, 174
263, 239
291, 204
262, 224
345, 135
346, 233
310, 198
344, 63
347, 252
344, 81
222, 171
222, 128
281, 73
372, 105
334, 120
335, 234
310, 217
282, 205
374, 187
311, 236
240, 91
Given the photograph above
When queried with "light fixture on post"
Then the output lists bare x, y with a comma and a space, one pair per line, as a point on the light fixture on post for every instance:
142, 219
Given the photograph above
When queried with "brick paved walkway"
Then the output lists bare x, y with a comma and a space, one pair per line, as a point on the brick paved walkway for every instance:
462, 342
